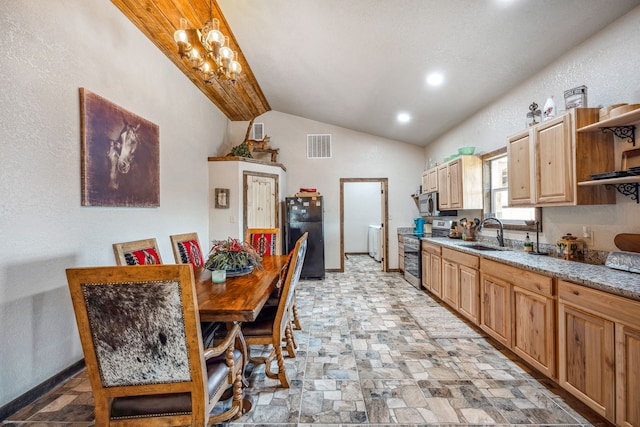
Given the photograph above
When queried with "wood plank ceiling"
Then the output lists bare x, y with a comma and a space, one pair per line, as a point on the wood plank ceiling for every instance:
159, 19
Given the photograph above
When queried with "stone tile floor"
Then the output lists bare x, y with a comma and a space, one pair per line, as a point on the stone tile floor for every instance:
374, 351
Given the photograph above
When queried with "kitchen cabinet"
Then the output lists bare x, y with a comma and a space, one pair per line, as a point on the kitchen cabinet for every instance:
519, 311
599, 351
495, 317
460, 183
430, 180
547, 161
461, 283
401, 253
431, 268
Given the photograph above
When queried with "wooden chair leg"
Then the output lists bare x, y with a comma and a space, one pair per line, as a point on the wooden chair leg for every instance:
290, 342
296, 321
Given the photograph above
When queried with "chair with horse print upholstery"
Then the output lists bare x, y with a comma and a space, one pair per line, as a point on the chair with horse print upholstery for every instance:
138, 252
273, 324
187, 250
267, 242
142, 346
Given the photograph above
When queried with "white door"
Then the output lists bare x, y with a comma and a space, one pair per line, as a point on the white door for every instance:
261, 194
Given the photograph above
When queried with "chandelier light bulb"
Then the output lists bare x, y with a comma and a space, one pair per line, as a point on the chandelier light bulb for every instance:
208, 51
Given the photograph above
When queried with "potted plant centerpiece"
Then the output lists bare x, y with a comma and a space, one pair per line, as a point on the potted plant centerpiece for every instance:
231, 257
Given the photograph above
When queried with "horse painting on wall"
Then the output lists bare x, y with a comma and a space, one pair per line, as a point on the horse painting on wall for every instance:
120, 155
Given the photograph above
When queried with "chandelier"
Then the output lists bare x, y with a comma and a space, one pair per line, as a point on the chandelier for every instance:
207, 51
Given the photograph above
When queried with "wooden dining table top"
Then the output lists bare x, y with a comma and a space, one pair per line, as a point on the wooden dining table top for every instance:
238, 298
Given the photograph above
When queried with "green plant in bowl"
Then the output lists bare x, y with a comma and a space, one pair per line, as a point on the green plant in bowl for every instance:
466, 150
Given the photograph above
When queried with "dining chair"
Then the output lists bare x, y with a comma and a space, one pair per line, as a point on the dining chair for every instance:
273, 324
267, 242
137, 252
187, 250
142, 347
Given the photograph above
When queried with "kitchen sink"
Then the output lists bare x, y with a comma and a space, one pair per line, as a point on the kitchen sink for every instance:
482, 247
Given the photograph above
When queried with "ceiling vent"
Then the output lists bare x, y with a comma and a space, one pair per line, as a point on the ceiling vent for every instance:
319, 146
257, 131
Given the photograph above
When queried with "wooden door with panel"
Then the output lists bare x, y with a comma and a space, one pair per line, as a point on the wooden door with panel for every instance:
554, 161
520, 176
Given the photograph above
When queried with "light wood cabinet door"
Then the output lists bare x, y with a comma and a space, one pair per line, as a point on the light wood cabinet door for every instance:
436, 275
519, 164
534, 329
455, 184
469, 297
426, 270
495, 316
401, 254
586, 358
628, 375
554, 160
450, 283
432, 180
443, 186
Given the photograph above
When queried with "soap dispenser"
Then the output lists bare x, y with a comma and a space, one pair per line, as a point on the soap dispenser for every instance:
528, 244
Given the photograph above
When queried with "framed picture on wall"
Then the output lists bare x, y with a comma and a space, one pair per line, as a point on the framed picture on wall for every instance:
120, 155
222, 198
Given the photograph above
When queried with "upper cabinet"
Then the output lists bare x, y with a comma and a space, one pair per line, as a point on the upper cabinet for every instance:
548, 160
460, 183
430, 180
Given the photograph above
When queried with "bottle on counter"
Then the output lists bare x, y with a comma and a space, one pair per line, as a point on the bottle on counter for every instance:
528, 244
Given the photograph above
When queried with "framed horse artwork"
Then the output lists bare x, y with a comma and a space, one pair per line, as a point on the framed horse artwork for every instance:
120, 154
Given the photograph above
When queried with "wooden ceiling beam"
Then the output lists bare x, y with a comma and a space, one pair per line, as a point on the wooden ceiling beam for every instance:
158, 20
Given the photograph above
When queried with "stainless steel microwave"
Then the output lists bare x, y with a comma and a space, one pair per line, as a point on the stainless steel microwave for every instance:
428, 206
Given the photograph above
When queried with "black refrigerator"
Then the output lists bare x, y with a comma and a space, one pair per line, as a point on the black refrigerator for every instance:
305, 214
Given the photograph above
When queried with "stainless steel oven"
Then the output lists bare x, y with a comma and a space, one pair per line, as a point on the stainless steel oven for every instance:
412, 260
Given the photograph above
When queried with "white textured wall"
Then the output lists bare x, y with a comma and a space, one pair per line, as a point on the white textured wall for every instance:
362, 207
355, 155
608, 65
224, 223
49, 50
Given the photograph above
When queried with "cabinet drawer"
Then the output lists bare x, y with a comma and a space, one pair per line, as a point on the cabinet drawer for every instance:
461, 258
601, 303
431, 248
523, 278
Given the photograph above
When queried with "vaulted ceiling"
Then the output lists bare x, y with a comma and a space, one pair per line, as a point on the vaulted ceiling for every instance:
358, 63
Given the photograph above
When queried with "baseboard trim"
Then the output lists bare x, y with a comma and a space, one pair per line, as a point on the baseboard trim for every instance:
38, 391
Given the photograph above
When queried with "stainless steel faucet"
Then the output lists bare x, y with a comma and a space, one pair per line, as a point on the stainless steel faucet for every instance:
500, 236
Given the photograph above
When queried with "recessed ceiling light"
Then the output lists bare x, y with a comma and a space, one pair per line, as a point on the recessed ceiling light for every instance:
435, 79
404, 117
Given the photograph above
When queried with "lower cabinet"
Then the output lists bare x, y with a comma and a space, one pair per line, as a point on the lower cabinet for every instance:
401, 253
431, 268
461, 283
599, 351
518, 311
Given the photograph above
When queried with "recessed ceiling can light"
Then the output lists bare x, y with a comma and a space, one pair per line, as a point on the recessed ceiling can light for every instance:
404, 117
435, 79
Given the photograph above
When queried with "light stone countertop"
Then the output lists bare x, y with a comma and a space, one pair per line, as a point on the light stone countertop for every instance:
593, 276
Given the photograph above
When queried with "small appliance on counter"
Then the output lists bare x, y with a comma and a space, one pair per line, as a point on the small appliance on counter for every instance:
419, 230
441, 227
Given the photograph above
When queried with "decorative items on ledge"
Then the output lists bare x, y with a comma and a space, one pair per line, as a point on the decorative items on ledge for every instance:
207, 51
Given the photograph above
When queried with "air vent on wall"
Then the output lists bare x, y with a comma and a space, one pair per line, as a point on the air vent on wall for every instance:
319, 146
257, 132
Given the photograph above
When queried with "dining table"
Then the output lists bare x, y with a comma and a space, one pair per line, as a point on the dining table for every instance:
238, 299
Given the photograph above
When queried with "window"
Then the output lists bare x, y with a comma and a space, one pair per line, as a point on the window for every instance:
496, 194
